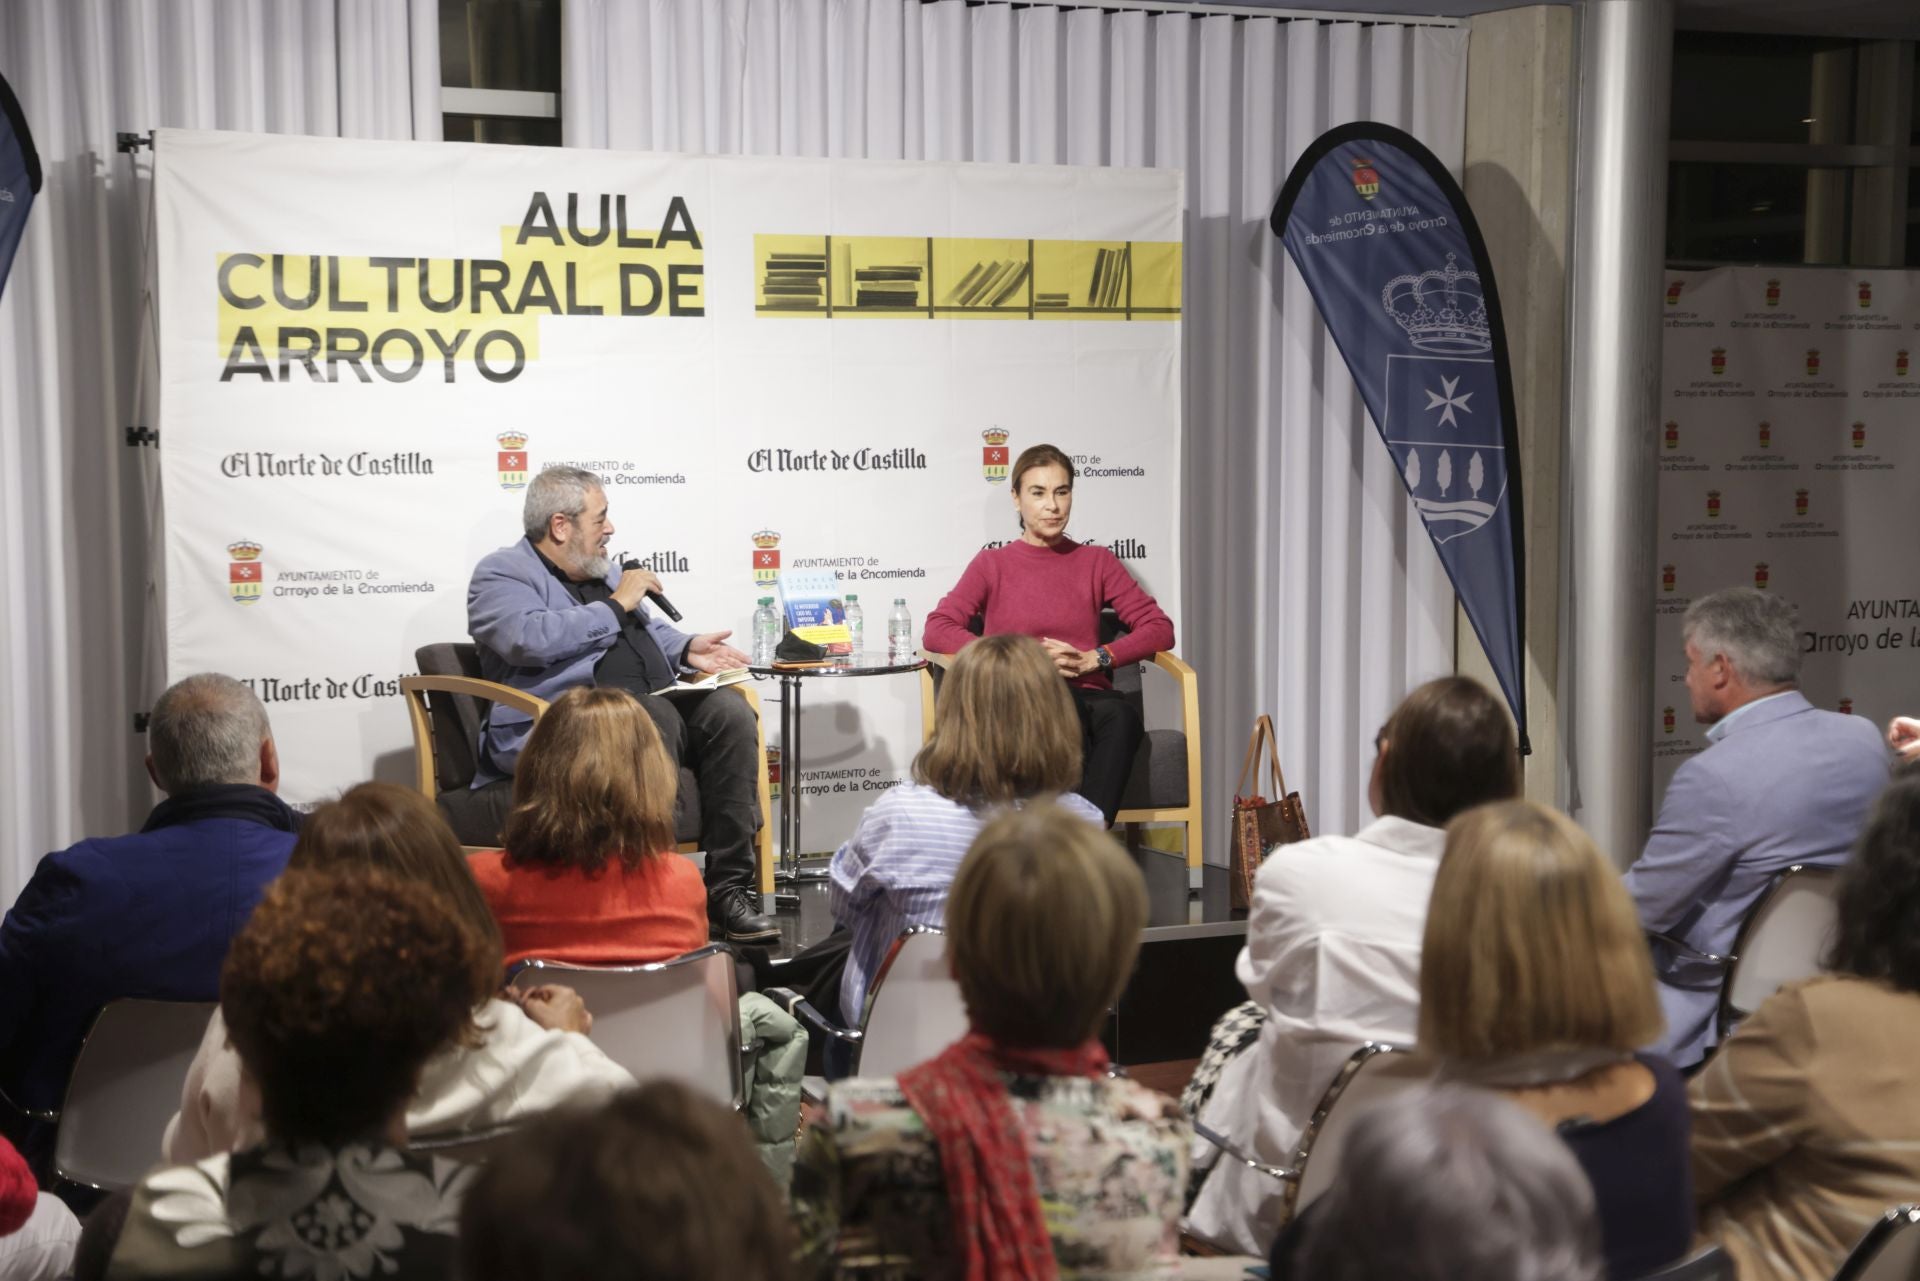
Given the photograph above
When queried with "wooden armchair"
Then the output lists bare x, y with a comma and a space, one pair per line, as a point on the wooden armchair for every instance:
1165, 784
446, 705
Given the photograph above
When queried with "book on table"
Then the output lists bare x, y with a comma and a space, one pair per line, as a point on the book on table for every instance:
708, 680
814, 609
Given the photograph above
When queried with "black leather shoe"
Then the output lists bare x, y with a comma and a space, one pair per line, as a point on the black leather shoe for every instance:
735, 916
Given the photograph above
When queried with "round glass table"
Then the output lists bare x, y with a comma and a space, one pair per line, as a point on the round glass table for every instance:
793, 677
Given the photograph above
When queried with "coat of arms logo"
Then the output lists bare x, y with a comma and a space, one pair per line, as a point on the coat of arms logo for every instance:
245, 572
766, 558
512, 460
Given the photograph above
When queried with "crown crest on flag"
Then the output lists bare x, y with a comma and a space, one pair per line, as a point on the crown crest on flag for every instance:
245, 549
1442, 310
513, 440
995, 436
766, 538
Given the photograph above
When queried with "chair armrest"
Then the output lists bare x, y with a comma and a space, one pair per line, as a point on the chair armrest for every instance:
810, 1016
1188, 682
1691, 953
473, 687
934, 662
1175, 666
415, 690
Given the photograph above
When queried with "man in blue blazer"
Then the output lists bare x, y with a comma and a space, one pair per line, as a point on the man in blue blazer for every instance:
551, 612
149, 914
1780, 783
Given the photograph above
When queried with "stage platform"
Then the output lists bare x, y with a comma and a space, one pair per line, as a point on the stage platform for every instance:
1184, 979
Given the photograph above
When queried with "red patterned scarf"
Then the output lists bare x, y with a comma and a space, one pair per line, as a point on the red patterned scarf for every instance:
998, 1225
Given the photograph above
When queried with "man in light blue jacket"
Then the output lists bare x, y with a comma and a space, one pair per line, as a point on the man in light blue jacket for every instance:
1780, 783
552, 612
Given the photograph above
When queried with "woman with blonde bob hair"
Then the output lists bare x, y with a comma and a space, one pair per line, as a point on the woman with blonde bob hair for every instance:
1536, 982
1003, 733
946, 1170
590, 873
519, 1053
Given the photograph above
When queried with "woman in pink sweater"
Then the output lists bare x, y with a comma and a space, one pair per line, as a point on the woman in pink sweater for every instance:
1047, 586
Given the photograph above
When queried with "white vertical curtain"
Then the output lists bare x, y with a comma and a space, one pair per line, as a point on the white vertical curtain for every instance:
78, 509
1309, 593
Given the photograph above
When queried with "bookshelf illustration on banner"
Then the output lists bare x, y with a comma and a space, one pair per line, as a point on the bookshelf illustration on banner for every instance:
1391, 253
987, 274
959, 278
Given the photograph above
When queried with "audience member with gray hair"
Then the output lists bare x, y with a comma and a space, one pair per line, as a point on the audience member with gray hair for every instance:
210, 730
1443, 1183
148, 914
1752, 632
1780, 782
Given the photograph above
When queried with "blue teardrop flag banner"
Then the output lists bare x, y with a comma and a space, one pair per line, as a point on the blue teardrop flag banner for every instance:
19, 177
1396, 265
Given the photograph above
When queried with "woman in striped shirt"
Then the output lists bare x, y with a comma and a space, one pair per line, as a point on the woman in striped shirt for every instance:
1004, 732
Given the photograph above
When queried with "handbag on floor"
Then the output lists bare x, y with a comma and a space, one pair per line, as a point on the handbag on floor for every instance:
1260, 825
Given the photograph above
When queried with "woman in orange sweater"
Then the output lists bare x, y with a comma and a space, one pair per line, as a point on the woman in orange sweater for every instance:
590, 874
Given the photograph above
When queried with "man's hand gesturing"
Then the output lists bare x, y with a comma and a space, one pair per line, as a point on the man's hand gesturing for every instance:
706, 653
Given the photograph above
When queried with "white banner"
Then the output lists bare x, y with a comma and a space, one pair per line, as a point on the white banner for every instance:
1788, 461
367, 347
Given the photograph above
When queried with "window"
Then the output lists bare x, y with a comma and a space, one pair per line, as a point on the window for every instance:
1746, 213
1793, 150
500, 71
1749, 88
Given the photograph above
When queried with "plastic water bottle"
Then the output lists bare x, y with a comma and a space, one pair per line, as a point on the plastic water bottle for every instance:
766, 633
900, 645
856, 623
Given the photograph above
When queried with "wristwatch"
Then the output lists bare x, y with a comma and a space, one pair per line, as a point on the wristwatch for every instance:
1106, 659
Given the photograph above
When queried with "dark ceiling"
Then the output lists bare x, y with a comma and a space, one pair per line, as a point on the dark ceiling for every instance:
1867, 19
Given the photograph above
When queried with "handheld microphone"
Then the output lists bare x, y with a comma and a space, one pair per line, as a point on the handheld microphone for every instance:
664, 605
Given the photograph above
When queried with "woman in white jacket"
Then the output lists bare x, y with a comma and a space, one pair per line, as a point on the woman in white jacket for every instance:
1333, 945
521, 1055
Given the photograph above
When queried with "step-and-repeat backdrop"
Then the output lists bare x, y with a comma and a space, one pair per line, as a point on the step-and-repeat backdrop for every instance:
1789, 451
367, 348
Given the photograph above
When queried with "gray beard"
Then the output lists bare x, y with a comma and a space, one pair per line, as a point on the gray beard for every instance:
595, 568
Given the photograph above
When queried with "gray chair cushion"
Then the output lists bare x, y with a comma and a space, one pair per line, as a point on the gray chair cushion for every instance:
1159, 777
456, 717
